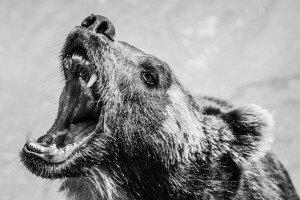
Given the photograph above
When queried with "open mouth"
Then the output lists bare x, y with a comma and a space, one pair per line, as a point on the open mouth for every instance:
80, 113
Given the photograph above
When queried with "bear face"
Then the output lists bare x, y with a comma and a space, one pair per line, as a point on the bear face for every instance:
127, 129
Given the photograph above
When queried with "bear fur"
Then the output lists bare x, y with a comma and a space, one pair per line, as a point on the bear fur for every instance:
157, 142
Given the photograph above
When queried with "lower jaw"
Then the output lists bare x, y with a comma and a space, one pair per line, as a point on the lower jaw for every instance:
70, 168
63, 147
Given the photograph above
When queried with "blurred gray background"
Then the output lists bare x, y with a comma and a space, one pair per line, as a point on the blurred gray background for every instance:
240, 50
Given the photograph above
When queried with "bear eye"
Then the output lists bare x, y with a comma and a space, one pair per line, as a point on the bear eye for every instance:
150, 78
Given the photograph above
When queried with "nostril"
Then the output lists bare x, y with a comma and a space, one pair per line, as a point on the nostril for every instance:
99, 24
89, 21
102, 27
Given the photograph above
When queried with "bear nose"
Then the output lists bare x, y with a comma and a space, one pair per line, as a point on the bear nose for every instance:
99, 24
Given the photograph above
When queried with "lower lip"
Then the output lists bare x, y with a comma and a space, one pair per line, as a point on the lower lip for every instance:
59, 157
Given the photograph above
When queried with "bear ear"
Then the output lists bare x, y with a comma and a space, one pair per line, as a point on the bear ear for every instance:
252, 130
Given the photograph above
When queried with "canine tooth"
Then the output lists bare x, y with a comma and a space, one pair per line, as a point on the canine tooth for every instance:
92, 80
29, 139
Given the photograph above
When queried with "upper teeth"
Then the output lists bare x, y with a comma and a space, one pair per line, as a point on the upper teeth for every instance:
92, 80
77, 57
29, 138
80, 59
69, 62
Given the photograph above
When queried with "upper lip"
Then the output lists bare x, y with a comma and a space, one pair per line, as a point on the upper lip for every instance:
75, 49
74, 43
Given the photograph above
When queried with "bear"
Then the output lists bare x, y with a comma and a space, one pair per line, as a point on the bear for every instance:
127, 129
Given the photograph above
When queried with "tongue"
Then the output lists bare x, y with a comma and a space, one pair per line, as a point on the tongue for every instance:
76, 104
79, 131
